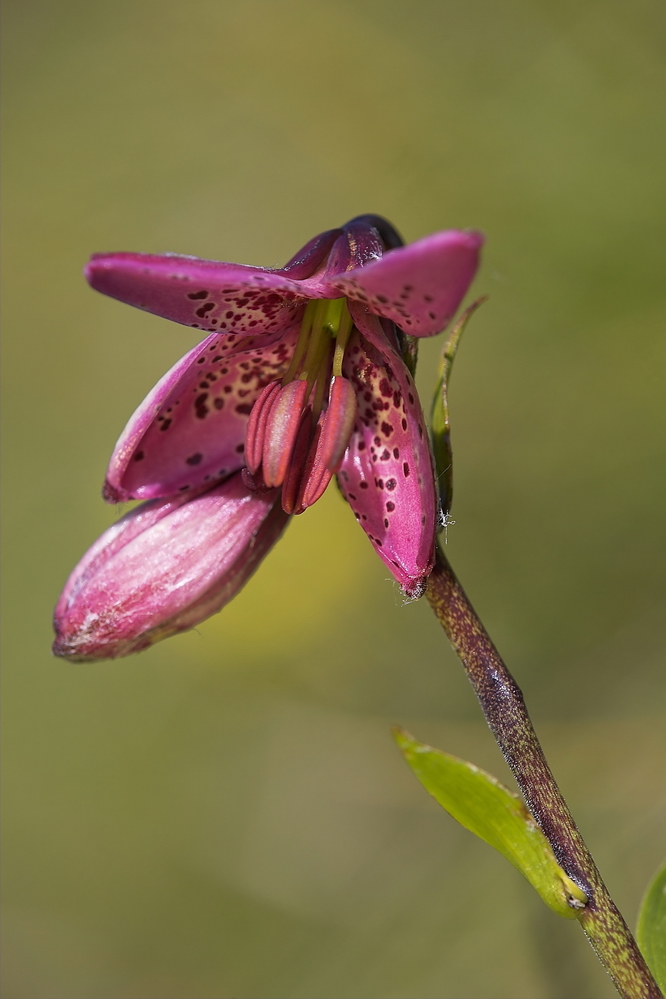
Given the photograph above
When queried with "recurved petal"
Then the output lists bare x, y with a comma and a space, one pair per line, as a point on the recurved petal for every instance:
386, 474
191, 427
420, 286
163, 568
205, 294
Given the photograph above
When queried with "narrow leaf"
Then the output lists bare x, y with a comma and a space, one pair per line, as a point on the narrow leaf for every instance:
484, 806
440, 423
651, 930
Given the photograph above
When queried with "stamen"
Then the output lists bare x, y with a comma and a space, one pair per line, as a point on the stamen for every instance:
330, 444
282, 425
321, 382
344, 330
256, 426
291, 440
334, 313
291, 487
302, 342
317, 335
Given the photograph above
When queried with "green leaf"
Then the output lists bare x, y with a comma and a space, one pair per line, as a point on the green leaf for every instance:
651, 930
484, 806
440, 426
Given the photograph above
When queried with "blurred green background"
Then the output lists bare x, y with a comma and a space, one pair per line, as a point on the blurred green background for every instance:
226, 815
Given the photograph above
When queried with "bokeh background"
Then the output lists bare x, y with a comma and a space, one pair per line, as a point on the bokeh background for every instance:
226, 815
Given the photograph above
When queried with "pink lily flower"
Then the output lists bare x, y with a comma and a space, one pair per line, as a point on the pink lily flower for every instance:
302, 376
317, 340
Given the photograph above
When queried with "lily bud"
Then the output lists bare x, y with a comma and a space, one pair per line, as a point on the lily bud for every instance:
163, 568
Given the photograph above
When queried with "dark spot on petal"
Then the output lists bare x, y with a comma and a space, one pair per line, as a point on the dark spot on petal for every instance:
364, 485
240, 448
244, 407
390, 506
197, 294
391, 484
405, 469
194, 459
139, 456
218, 403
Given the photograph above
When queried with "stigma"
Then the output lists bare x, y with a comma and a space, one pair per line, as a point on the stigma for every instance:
300, 426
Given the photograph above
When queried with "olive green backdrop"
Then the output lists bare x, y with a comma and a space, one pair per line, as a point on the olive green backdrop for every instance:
226, 815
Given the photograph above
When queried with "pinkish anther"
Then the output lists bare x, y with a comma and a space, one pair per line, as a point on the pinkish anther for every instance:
292, 485
282, 423
288, 442
331, 441
256, 426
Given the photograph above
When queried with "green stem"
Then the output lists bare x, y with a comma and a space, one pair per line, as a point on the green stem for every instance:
504, 708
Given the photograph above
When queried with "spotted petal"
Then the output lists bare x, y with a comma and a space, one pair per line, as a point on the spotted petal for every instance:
386, 474
191, 428
419, 287
216, 296
204, 294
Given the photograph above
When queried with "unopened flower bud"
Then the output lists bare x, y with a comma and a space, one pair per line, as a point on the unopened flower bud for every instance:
163, 568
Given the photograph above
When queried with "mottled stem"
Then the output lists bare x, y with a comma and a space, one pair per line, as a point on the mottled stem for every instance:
504, 708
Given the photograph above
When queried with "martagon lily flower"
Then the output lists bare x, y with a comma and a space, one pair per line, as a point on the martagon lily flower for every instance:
303, 375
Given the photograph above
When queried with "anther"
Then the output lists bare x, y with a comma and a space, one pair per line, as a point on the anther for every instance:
330, 444
256, 426
282, 425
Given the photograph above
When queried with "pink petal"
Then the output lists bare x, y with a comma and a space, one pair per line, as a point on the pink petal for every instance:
386, 474
163, 568
205, 294
191, 427
420, 286
213, 295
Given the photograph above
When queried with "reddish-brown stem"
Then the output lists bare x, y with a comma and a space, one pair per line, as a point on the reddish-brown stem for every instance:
504, 708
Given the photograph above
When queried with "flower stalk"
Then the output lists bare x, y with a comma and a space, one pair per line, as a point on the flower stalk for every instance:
504, 708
